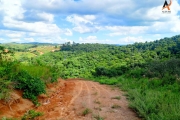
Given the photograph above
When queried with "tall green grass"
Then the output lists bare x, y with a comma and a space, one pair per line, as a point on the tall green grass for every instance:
42, 72
150, 98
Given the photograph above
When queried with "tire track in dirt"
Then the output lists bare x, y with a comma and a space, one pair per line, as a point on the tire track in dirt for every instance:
103, 89
88, 94
80, 91
98, 91
70, 113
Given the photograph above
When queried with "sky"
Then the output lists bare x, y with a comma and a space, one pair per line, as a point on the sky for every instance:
87, 21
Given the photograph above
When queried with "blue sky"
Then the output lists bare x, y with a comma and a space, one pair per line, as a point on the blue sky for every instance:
87, 21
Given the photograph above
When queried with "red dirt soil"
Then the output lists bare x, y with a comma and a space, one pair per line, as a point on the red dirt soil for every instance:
68, 100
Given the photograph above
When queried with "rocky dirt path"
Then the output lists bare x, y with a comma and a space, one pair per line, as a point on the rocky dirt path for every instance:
77, 99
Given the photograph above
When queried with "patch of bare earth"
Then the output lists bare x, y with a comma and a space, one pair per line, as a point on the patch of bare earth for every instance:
77, 99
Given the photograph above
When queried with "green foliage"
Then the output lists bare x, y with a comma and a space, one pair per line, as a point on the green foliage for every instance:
105, 80
6, 66
31, 86
148, 72
86, 111
45, 73
5, 118
98, 117
136, 72
5, 88
152, 99
29, 78
115, 106
31, 115
83, 47
168, 71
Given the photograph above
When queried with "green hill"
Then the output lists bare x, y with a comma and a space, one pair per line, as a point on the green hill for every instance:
149, 72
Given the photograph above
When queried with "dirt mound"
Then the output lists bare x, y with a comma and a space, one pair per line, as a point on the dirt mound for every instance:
77, 100
15, 106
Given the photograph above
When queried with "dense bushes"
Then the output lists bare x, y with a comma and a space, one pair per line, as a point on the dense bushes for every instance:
30, 79
5, 88
31, 86
110, 72
168, 71
13, 76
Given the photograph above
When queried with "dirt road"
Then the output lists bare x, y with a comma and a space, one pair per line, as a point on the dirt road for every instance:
83, 100
87, 100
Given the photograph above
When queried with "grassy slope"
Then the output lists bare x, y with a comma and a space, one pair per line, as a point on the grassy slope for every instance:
149, 98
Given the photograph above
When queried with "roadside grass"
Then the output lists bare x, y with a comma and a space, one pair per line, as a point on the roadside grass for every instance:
5, 118
31, 115
97, 102
86, 111
115, 106
42, 72
98, 108
98, 117
151, 99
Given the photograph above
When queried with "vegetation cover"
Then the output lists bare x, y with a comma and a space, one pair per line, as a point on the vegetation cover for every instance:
31, 78
149, 72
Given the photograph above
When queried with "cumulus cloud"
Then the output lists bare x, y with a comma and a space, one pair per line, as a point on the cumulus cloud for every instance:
68, 32
130, 40
122, 41
14, 35
49, 20
89, 39
83, 24
126, 30
37, 27
35, 16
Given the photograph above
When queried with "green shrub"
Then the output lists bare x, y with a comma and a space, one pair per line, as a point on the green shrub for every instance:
31, 115
31, 86
5, 118
5, 88
86, 111
168, 79
136, 72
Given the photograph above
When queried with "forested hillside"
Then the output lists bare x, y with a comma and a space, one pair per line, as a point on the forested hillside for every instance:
149, 72
88, 60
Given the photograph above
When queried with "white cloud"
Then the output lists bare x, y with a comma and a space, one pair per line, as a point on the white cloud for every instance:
46, 16
89, 39
11, 8
37, 27
83, 24
15, 40
77, 19
126, 30
37, 20
130, 40
68, 32
124, 40
14, 35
